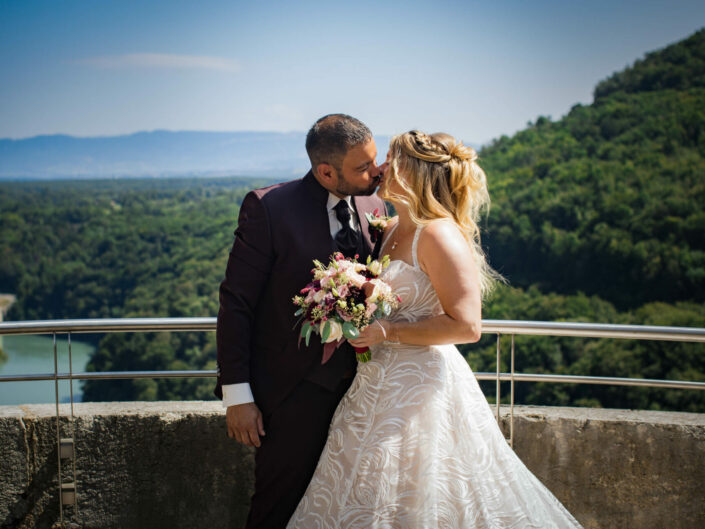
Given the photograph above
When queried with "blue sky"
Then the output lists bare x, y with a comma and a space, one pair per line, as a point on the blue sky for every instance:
474, 69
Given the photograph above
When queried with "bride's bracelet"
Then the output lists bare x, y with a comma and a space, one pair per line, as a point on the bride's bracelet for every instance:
391, 337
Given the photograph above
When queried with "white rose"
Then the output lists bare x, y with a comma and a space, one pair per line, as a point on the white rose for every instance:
336, 330
357, 279
318, 296
345, 266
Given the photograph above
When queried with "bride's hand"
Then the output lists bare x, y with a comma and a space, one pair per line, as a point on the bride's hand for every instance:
374, 333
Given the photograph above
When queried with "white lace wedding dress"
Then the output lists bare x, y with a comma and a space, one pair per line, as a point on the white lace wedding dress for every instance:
414, 444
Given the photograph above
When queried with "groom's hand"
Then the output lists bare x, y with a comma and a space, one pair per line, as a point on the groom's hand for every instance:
245, 423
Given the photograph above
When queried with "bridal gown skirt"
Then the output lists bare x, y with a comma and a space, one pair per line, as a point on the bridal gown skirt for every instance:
414, 444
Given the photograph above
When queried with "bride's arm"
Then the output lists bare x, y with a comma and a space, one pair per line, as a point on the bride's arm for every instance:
446, 257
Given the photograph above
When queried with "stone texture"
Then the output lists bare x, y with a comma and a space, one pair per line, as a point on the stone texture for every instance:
138, 465
170, 464
617, 468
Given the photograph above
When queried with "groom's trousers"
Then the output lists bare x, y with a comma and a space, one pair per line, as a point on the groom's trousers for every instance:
296, 433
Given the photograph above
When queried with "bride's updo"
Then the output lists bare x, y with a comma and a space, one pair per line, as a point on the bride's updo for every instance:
440, 179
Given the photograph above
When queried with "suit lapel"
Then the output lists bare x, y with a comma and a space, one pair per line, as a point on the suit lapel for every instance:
362, 207
319, 227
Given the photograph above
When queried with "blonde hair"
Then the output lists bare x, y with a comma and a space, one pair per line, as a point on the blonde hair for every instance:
441, 180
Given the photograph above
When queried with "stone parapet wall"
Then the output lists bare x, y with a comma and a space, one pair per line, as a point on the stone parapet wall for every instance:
618, 468
170, 464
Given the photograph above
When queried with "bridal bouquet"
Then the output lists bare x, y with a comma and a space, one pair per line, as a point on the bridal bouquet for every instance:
343, 298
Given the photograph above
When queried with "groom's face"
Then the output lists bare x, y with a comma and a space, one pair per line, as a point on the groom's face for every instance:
359, 173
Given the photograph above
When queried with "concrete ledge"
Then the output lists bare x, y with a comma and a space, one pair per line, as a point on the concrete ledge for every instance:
170, 464
617, 468
163, 464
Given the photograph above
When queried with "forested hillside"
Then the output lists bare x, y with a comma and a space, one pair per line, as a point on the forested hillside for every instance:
128, 248
598, 216
609, 199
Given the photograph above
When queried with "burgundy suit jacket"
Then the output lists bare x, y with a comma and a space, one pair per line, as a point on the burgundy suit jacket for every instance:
281, 229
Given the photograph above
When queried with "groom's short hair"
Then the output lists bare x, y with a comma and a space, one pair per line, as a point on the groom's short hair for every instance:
332, 136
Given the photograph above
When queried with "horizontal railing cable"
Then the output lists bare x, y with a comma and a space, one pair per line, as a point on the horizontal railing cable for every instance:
499, 327
107, 325
503, 377
529, 328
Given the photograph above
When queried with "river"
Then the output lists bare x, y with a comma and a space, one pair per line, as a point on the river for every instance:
35, 354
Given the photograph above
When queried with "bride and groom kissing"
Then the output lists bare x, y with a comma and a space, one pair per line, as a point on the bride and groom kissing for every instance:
407, 439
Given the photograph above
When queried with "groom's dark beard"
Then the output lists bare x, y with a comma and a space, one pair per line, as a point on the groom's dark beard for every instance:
370, 191
344, 188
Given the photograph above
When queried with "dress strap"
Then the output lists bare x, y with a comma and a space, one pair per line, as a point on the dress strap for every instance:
414, 246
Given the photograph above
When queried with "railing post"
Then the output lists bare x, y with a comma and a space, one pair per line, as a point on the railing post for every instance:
511, 400
498, 358
73, 430
65, 447
58, 433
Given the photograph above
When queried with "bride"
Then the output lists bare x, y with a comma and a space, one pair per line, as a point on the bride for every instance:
414, 444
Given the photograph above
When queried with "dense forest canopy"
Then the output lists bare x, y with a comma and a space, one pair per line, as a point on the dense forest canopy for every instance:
128, 248
596, 217
679, 67
609, 199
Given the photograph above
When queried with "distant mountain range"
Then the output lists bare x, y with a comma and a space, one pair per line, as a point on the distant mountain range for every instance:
157, 154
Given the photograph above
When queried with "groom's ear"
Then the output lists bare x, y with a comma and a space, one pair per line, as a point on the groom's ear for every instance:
326, 172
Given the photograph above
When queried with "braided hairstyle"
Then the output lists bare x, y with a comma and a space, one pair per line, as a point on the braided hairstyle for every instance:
441, 179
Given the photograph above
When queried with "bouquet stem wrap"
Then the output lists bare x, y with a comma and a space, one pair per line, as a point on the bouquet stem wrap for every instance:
363, 354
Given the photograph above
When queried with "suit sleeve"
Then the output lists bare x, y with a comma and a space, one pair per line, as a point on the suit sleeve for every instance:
247, 273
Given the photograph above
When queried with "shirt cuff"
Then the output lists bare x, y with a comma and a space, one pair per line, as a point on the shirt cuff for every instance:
234, 394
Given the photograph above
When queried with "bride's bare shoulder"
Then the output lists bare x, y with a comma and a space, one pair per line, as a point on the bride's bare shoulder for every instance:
442, 239
441, 231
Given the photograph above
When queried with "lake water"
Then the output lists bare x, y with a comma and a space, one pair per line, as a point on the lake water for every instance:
35, 354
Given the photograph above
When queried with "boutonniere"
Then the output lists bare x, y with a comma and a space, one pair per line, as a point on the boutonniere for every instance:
377, 223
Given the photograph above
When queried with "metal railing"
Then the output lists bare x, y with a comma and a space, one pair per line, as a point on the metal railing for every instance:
498, 327
510, 328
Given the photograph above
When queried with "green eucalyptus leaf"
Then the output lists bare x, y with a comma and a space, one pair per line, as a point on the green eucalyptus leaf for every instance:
305, 328
350, 331
307, 337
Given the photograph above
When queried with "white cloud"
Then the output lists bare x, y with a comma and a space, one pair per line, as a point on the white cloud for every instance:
154, 61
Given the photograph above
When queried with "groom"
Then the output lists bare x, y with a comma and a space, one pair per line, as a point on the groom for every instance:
279, 398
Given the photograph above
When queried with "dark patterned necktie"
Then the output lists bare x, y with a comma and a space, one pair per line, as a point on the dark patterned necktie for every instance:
347, 239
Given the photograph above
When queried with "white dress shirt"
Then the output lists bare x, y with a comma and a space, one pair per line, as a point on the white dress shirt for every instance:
234, 394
